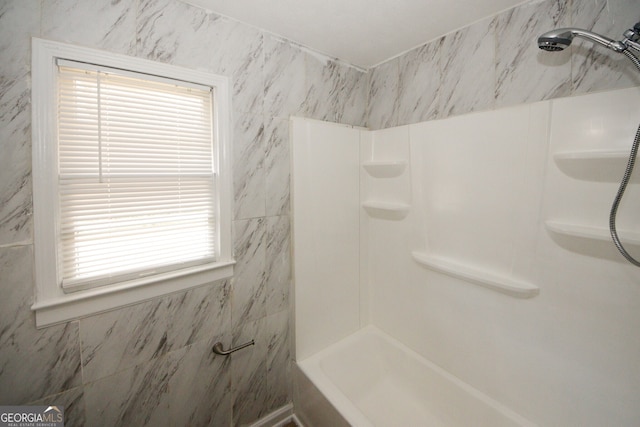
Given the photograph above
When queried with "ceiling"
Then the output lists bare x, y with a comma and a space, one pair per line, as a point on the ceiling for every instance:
361, 32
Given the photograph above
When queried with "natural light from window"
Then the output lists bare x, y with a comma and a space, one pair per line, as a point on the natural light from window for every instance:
136, 176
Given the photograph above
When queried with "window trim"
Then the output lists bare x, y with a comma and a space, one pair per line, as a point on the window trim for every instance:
52, 305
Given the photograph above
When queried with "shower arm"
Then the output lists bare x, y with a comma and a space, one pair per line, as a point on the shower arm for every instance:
617, 46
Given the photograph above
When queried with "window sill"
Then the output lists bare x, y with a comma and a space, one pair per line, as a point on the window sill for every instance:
65, 307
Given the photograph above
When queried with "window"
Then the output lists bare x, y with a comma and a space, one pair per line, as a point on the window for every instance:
135, 175
132, 192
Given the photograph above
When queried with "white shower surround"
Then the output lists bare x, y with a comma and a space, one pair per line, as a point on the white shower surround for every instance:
493, 192
360, 373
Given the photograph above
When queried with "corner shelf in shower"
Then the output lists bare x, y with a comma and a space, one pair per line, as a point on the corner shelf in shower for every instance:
496, 282
599, 165
386, 210
591, 232
385, 169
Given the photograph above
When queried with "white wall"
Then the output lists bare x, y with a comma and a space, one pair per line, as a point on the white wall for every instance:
484, 185
518, 197
326, 232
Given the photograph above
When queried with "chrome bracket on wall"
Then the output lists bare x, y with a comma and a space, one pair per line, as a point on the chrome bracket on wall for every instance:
217, 348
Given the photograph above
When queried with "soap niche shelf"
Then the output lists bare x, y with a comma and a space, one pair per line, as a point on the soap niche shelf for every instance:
496, 282
385, 169
594, 165
386, 210
591, 232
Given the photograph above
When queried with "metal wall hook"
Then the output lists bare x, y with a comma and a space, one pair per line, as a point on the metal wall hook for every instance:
217, 348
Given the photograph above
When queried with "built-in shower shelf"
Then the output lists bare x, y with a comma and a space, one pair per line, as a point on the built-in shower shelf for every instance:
588, 155
496, 282
591, 232
386, 210
598, 165
385, 169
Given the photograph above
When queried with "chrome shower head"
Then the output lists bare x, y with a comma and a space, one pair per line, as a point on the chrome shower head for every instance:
556, 40
561, 38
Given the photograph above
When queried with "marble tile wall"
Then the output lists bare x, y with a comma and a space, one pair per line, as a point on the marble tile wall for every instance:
151, 363
495, 63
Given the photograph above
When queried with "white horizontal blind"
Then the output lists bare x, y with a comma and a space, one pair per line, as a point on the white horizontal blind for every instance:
136, 175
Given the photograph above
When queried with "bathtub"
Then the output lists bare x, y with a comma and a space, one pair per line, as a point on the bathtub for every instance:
372, 379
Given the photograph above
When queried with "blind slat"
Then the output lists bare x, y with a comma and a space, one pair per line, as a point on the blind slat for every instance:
136, 175
92, 246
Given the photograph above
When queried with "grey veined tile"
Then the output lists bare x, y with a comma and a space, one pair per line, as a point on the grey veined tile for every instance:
130, 336
103, 24
34, 363
19, 21
15, 162
278, 360
524, 72
122, 338
382, 110
73, 403
185, 383
248, 166
249, 373
468, 69
284, 78
278, 271
189, 386
277, 167
200, 390
199, 314
354, 94
237, 51
323, 91
136, 396
248, 284
419, 83
336, 92
595, 68
175, 32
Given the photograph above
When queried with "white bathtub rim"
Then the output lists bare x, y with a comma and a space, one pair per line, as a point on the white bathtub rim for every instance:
312, 369
311, 366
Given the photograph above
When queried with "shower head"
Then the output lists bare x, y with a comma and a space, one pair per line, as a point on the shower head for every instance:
556, 40
561, 38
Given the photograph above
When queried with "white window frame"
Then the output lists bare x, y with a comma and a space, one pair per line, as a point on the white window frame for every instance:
52, 304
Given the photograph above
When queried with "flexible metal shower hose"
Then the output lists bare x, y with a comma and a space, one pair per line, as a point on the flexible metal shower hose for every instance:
616, 202
623, 184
